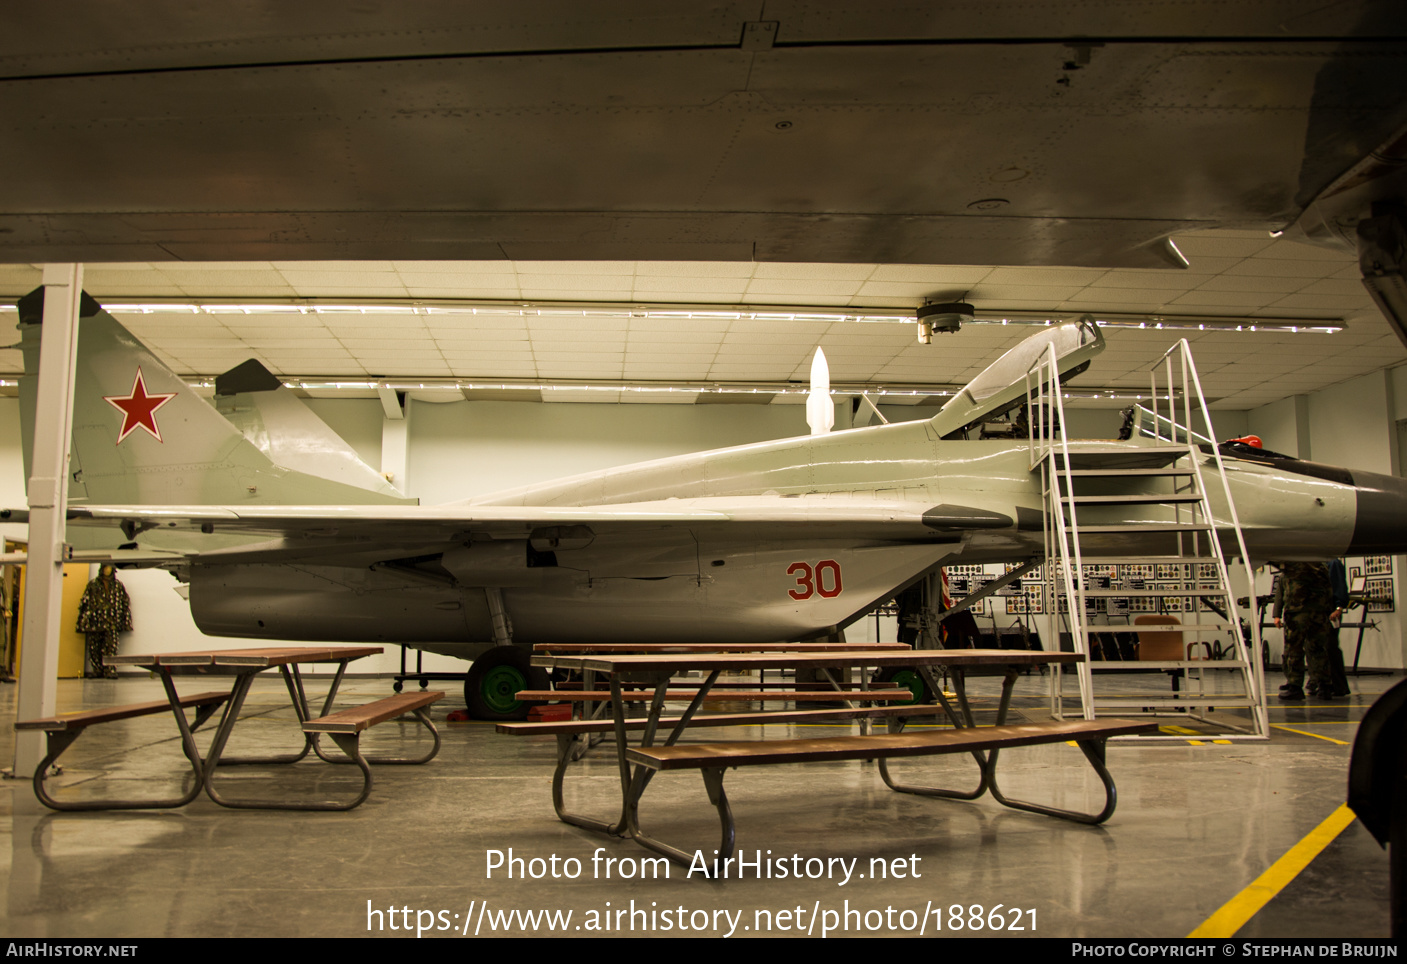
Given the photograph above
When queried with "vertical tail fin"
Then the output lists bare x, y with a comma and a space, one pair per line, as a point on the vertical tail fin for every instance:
141, 436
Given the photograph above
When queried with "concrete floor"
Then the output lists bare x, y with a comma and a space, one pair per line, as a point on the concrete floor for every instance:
1195, 824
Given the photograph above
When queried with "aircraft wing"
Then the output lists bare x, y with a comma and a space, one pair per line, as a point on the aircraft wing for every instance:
403, 529
128, 558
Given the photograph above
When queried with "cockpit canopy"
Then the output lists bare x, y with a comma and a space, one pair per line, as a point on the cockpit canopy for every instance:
1002, 384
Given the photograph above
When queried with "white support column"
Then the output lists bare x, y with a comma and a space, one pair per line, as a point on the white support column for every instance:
48, 502
395, 437
1302, 438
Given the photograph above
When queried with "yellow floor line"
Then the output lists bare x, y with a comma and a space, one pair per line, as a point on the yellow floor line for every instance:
1234, 914
1291, 729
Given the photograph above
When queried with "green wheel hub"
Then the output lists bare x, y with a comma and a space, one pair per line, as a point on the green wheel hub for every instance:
912, 681
500, 687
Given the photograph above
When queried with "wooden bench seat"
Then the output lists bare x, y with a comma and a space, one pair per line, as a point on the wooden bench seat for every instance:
880, 745
356, 719
569, 732
64, 729
596, 649
109, 714
345, 728
575, 727
983, 743
718, 696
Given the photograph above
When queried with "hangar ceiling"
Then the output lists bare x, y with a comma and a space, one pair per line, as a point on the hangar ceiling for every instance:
1034, 156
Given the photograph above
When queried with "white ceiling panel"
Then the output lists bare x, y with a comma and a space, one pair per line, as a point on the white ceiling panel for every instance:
807, 290
695, 269
1219, 244
1023, 295
1285, 268
560, 281
1329, 304
929, 274
431, 331
671, 285
1229, 302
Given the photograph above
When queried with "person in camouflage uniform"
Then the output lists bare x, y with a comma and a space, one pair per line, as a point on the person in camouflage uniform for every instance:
104, 612
1304, 596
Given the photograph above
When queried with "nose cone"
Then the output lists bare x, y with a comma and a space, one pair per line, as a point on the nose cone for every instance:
1381, 522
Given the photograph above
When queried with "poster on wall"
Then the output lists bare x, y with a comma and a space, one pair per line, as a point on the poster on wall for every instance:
1380, 596
1035, 600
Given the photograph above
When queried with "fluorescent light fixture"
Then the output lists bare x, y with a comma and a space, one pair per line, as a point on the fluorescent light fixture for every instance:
684, 313
456, 385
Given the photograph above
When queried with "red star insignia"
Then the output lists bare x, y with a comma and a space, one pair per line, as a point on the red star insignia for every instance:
138, 409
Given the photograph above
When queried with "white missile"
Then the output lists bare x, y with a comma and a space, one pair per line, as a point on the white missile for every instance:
820, 410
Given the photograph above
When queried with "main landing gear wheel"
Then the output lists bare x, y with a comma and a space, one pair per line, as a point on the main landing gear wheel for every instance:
490, 691
910, 679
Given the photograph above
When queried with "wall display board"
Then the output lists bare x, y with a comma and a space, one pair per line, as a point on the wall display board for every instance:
1168, 583
1379, 591
1035, 599
1378, 585
965, 580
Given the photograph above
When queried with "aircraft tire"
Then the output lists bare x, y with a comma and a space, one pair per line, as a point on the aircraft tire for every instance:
908, 678
493, 679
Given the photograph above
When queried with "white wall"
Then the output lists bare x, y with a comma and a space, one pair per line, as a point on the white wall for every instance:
462, 449
1276, 425
357, 420
1353, 424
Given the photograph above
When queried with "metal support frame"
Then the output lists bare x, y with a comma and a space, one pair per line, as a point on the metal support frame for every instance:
61, 740
966, 720
634, 783
421, 716
348, 743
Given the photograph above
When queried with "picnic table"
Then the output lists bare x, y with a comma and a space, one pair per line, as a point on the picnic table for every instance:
343, 727
639, 762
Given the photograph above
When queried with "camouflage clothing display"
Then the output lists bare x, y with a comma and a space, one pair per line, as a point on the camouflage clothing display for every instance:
104, 612
1305, 596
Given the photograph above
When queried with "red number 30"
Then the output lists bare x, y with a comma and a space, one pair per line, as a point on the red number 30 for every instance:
810, 580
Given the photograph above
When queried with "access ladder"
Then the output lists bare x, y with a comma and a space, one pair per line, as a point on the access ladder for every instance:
1146, 509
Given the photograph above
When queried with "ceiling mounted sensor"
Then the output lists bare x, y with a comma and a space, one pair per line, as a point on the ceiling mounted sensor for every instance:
948, 316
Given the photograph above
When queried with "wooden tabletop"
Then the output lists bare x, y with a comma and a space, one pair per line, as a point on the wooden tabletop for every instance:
258, 657
850, 656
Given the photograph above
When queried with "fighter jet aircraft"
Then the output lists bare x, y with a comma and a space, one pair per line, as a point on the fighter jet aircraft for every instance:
782, 540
